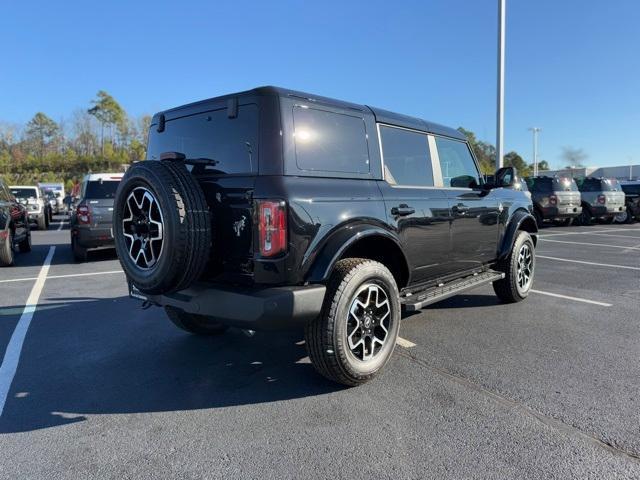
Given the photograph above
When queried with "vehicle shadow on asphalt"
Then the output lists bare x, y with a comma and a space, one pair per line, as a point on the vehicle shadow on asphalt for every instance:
63, 255
107, 356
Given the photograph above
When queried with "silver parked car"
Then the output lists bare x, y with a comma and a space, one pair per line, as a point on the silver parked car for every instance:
602, 198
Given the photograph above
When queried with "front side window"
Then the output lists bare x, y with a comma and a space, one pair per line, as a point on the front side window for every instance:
232, 142
330, 142
406, 157
458, 167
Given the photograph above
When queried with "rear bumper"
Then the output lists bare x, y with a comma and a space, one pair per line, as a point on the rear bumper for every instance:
561, 212
93, 237
275, 308
607, 210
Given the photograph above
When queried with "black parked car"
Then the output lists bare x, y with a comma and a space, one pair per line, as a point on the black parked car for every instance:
555, 199
14, 226
632, 202
90, 223
274, 209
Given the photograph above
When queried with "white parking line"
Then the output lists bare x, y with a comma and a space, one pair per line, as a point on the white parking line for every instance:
12, 354
614, 235
590, 244
588, 263
575, 299
61, 225
71, 275
403, 342
587, 232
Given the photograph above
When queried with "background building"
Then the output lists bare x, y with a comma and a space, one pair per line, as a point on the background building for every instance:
621, 172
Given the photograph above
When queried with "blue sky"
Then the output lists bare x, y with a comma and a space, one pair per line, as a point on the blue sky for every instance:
572, 67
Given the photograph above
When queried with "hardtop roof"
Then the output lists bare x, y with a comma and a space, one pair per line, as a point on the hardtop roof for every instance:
381, 115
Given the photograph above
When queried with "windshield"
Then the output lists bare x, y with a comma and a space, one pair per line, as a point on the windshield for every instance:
102, 189
24, 193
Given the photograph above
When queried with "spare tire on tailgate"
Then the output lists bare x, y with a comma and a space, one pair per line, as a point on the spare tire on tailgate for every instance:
161, 226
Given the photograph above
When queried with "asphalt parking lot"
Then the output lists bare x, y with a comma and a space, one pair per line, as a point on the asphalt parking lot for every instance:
548, 388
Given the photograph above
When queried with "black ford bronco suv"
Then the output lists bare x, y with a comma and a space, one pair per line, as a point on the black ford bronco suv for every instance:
273, 209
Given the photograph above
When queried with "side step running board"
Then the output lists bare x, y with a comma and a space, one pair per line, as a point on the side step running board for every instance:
435, 294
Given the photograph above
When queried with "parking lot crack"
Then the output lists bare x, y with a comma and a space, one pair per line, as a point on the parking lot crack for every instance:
554, 423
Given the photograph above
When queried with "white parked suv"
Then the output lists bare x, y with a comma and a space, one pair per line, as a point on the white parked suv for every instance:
37, 205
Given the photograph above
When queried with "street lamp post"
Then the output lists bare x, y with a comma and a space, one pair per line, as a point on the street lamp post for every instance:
500, 106
535, 131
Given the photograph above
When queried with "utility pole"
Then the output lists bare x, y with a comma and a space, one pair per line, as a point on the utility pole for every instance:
535, 131
500, 107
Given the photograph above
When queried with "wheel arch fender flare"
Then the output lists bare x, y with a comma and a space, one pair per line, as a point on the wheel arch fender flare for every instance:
520, 220
344, 239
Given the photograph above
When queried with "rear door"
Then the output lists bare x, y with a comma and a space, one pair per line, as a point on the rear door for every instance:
567, 195
415, 206
474, 211
99, 197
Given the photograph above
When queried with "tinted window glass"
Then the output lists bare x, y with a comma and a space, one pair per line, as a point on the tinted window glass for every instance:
24, 193
590, 185
330, 142
406, 157
631, 189
233, 142
565, 185
101, 189
456, 163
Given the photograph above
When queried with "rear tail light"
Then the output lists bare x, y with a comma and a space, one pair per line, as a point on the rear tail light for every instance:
553, 200
602, 199
84, 214
272, 227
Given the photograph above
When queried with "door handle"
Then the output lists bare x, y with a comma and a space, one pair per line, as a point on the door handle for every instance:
460, 209
402, 210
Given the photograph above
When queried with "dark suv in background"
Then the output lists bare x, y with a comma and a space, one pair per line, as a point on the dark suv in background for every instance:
90, 223
14, 226
631, 191
273, 209
554, 199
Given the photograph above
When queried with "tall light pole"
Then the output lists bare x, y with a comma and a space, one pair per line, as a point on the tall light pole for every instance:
535, 131
500, 113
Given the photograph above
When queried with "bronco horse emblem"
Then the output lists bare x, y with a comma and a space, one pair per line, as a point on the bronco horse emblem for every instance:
239, 225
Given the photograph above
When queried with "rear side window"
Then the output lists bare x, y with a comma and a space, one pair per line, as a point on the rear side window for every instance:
329, 141
406, 157
233, 142
458, 167
101, 189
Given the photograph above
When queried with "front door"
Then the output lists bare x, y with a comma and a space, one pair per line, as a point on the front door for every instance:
474, 211
418, 210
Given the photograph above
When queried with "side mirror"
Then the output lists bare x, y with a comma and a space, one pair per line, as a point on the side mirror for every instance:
505, 177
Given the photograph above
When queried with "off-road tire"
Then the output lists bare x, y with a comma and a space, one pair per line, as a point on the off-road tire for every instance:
196, 324
42, 222
6, 251
25, 245
325, 336
507, 289
80, 254
585, 217
186, 230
